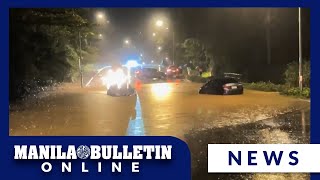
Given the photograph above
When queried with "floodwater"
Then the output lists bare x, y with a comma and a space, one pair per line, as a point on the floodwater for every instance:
288, 128
174, 109
160, 108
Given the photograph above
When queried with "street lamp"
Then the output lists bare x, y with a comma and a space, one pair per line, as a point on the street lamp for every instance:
101, 18
153, 34
159, 23
100, 35
126, 41
100, 15
159, 48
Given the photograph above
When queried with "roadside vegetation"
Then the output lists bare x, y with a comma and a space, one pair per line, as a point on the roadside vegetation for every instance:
200, 63
197, 79
290, 87
44, 48
281, 88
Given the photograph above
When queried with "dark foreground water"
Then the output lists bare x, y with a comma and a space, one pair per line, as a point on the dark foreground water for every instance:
293, 127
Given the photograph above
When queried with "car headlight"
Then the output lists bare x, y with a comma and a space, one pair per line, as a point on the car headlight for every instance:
117, 77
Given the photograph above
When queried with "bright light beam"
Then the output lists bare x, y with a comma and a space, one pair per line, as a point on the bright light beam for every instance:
132, 63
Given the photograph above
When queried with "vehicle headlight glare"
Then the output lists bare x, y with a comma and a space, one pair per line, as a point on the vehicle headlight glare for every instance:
117, 78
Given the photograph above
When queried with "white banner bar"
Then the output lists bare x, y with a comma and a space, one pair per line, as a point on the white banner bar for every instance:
282, 158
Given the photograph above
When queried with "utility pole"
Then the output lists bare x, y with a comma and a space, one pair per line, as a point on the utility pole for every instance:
80, 58
173, 47
268, 24
300, 52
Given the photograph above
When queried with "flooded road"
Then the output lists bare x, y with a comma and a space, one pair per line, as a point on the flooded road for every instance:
174, 109
293, 127
159, 109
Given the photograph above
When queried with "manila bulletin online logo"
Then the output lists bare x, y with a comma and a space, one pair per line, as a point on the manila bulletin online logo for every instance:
83, 152
108, 156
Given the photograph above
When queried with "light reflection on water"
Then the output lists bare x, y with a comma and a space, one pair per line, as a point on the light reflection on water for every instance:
136, 125
292, 128
161, 90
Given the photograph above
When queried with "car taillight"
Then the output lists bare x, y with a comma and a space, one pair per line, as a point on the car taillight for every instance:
168, 70
177, 69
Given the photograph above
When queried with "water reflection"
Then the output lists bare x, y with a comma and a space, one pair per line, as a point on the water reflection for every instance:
292, 127
136, 124
161, 90
303, 122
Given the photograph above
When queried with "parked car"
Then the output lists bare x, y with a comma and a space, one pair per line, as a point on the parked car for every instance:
149, 74
173, 72
222, 86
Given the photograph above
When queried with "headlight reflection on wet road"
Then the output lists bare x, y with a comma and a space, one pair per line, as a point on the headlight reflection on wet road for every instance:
136, 126
161, 90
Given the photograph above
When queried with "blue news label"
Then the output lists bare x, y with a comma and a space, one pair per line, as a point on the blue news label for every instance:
243, 158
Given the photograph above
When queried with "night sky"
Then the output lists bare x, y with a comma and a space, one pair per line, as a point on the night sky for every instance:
238, 34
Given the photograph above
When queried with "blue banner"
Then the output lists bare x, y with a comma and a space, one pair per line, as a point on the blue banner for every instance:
41, 158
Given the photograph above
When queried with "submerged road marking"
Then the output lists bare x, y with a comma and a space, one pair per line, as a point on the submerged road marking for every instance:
136, 126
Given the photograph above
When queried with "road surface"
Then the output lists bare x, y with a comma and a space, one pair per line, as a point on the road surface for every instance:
174, 109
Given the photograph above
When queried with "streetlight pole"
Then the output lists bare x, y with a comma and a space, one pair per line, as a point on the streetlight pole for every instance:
268, 23
300, 52
80, 58
159, 23
173, 48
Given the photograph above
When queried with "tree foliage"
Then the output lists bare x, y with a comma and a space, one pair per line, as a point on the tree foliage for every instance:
193, 51
44, 44
292, 74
